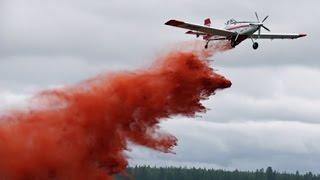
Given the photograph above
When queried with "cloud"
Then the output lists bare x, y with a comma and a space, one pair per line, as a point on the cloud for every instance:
286, 146
125, 32
268, 117
11, 100
271, 93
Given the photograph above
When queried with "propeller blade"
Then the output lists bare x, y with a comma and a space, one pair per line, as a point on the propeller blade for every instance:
265, 28
265, 19
259, 32
257, 16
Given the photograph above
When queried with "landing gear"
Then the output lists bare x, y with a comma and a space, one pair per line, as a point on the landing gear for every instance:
234, 41
255, 45
207, 44
233, 44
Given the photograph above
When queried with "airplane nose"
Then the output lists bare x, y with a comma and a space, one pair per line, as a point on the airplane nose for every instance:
259, 24
256, 24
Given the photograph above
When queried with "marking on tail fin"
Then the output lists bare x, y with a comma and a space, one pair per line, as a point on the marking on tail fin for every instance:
207, 22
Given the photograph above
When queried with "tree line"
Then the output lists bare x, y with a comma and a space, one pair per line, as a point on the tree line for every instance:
178, 173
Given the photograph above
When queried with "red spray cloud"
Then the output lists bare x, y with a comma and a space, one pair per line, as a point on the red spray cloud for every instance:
81, 131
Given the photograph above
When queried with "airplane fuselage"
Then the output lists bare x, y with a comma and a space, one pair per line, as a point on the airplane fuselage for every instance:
243, 31
242, 28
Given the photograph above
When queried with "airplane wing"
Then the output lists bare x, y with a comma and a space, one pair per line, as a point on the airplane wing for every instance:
196, 33
277, 36
199, 28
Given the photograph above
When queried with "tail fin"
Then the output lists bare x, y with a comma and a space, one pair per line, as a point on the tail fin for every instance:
207, 22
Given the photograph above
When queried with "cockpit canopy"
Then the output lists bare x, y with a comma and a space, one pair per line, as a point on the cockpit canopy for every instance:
231, 21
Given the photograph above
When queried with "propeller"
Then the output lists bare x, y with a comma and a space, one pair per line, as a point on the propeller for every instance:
260, 24
265, 19
257, 16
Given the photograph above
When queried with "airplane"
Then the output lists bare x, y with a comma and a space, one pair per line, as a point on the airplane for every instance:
234, 31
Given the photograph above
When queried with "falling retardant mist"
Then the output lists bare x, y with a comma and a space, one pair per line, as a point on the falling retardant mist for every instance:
81, 131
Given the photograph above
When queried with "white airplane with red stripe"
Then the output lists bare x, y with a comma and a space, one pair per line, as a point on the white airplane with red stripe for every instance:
235, 31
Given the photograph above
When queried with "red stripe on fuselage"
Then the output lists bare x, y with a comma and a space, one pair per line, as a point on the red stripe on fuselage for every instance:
237, 27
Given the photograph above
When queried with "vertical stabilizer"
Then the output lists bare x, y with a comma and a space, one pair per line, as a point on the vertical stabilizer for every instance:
207, 22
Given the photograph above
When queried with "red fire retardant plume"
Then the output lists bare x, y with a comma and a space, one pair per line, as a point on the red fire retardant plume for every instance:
81, 131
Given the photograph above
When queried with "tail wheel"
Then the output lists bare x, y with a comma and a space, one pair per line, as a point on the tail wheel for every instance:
255, 45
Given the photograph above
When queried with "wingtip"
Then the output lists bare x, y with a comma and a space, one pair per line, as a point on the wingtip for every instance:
173, 22
168, 22
302, 35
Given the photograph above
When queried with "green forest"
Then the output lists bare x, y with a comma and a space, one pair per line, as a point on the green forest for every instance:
174, 173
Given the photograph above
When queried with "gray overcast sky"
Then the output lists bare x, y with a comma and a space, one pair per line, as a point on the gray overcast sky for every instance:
270, 116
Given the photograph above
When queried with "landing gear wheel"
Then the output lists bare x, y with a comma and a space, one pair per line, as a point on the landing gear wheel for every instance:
255, 45
206, 46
